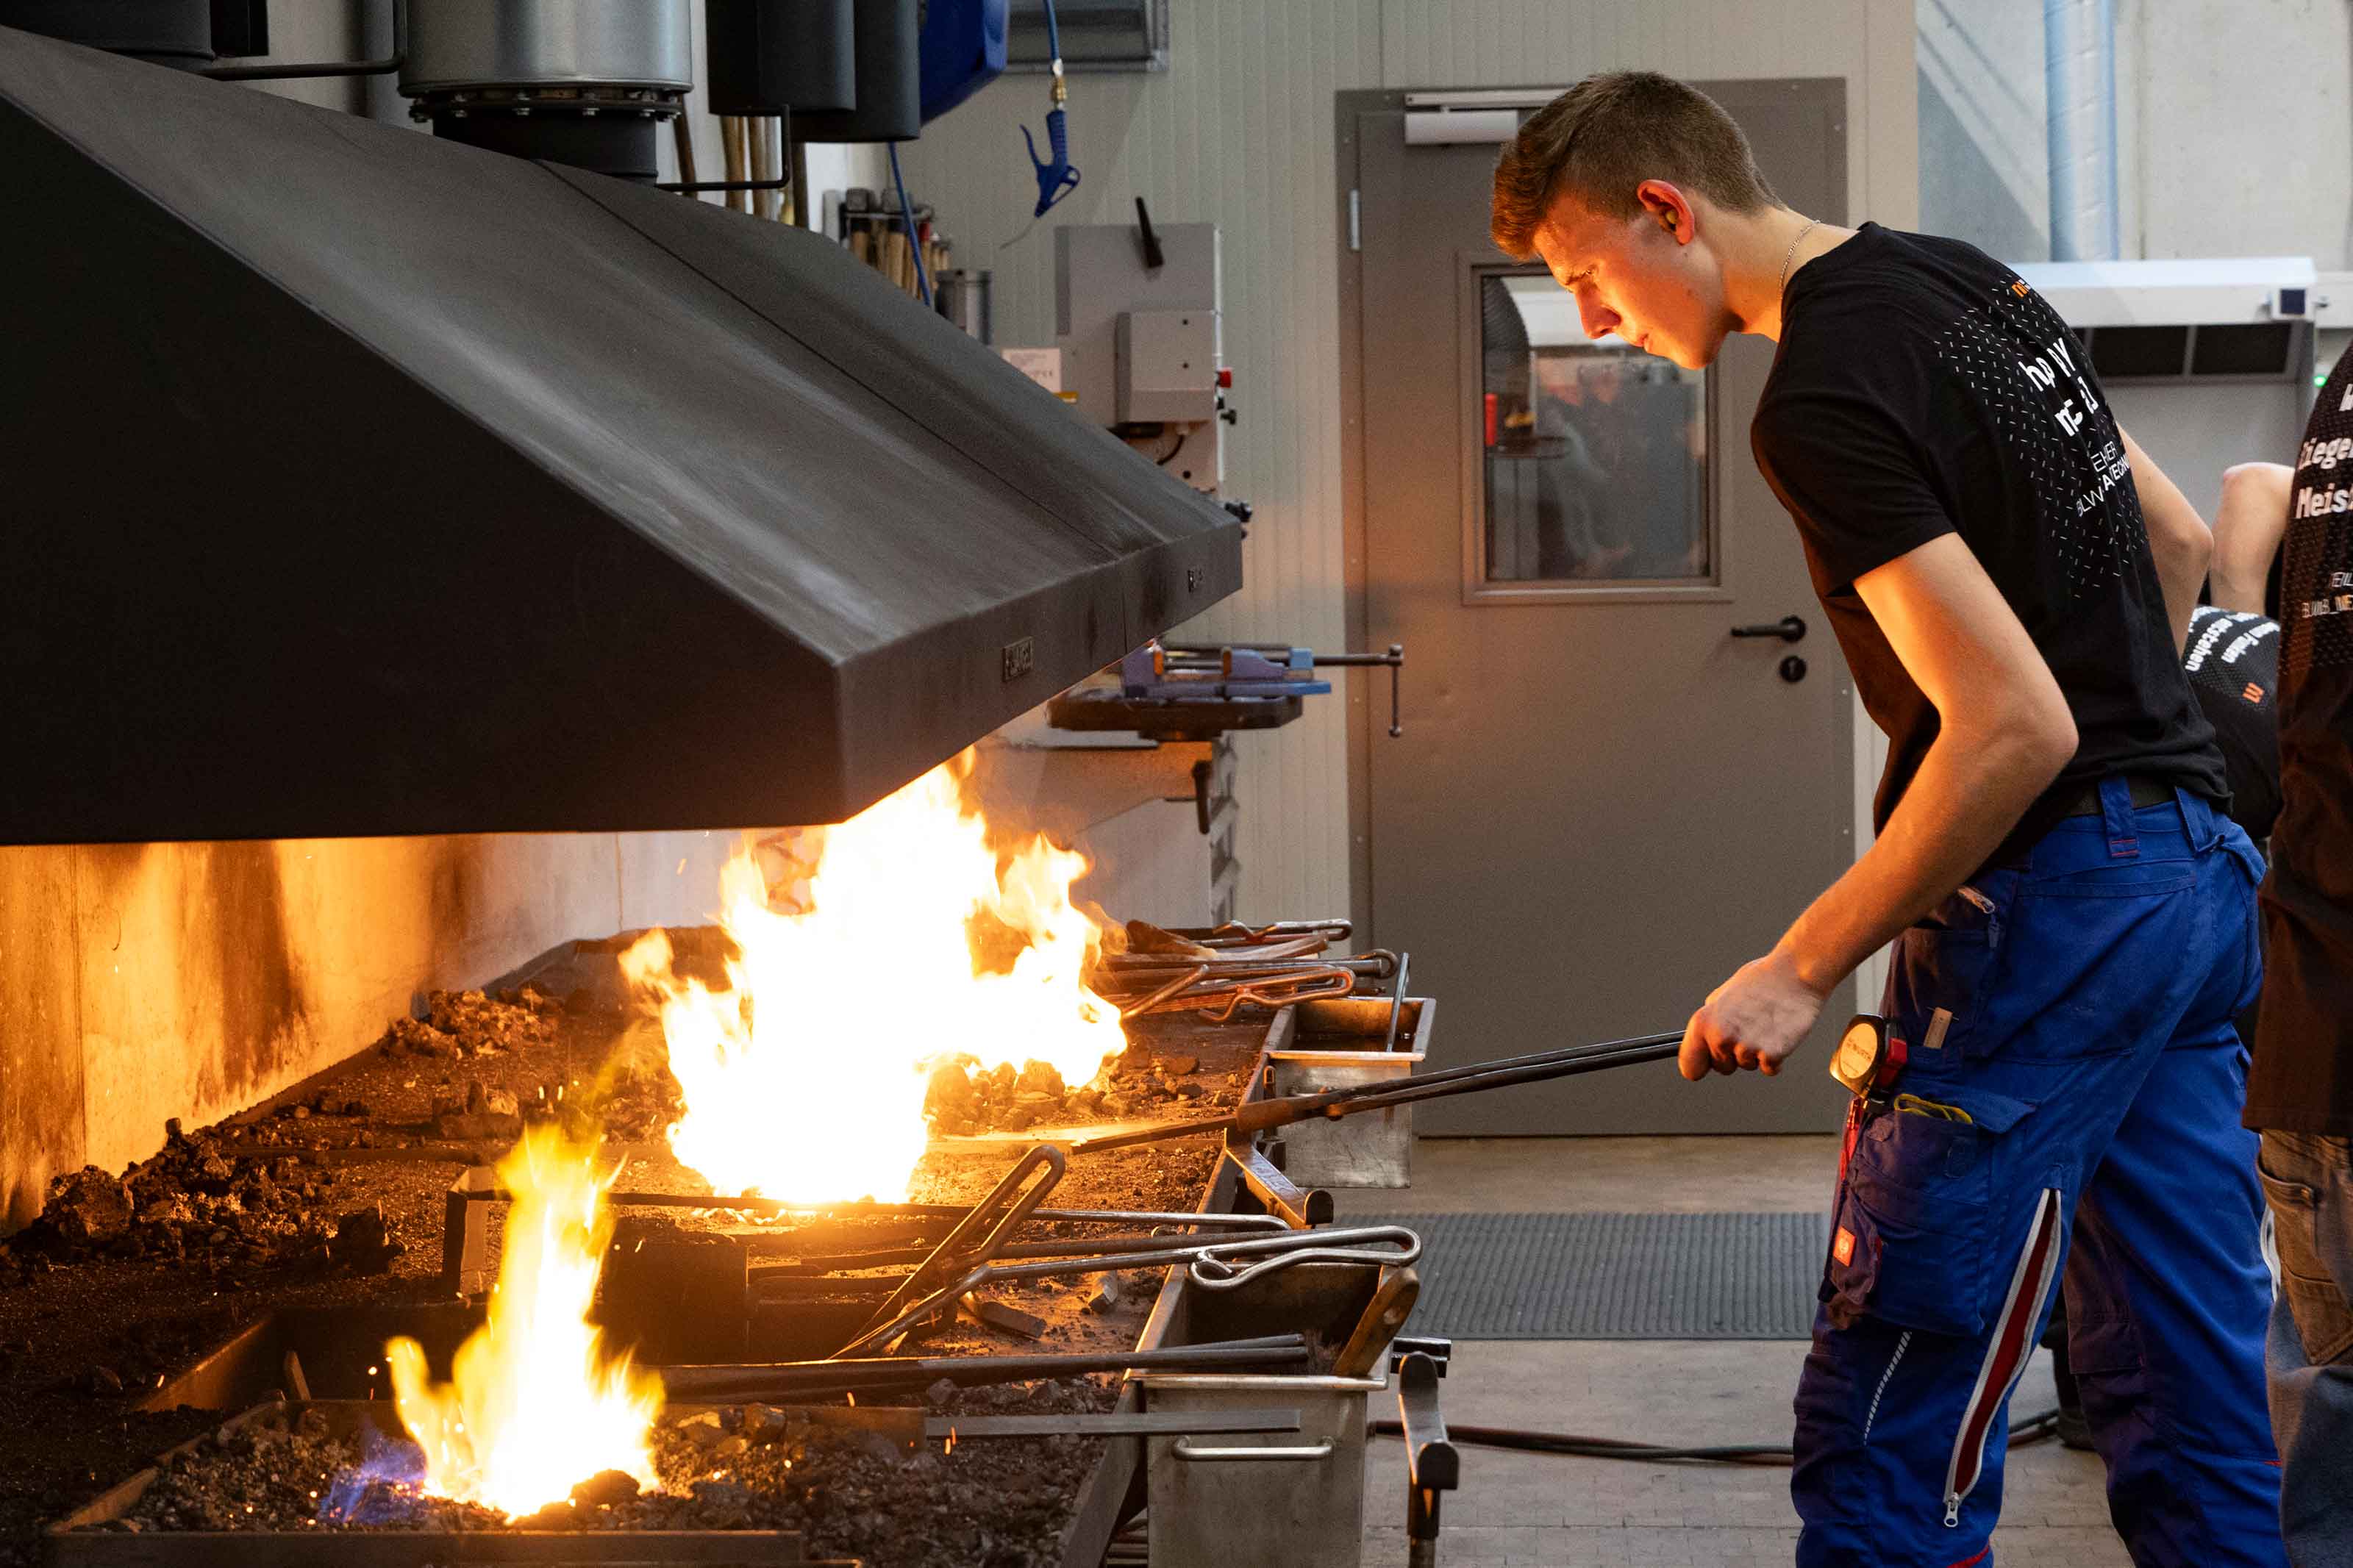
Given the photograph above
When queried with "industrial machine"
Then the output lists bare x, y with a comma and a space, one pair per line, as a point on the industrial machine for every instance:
1138, 336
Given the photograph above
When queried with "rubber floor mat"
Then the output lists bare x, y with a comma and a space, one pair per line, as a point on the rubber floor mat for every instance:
1616, 1275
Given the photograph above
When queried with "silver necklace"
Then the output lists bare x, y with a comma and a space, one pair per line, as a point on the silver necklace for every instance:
1792, 256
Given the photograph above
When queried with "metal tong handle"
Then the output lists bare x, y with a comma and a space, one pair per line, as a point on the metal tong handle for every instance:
1213, 1267
950, 1253
1321, 1244
1282, 992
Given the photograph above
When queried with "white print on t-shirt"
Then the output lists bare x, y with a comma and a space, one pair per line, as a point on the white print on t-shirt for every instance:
2109, 470
2319, 501
2017, 362
2216, 624
2317, 556
2323, 454
2335, 604
2045, 371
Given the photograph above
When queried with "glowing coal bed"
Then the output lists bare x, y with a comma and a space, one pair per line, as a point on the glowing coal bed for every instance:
850, 1481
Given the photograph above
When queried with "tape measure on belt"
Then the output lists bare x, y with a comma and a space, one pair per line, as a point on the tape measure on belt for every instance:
1869, 1057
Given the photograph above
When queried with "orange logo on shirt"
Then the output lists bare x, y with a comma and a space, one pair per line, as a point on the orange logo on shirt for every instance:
2018, 287
2254, 694
1842, 1248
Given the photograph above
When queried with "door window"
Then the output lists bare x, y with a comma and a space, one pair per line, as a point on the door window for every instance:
1595, 452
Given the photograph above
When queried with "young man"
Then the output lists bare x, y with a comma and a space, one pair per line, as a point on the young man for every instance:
2301, 1089
2073, 910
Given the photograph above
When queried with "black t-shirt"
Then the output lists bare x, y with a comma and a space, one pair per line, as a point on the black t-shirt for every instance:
1921, 389
2302, 1080
2232, 661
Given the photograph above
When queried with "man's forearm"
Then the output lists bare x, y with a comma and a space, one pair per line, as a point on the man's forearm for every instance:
1970, 791
2247, 529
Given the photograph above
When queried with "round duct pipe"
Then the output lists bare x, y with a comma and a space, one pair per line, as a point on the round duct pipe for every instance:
2079, 71
890, 79
585, 82
780, 57
164, 32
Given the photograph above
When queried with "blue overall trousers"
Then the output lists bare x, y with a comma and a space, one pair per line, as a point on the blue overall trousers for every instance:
2071, 1090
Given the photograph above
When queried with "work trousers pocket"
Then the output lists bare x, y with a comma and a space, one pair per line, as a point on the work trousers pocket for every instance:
1943, 963
1919, 1215
2305, 1180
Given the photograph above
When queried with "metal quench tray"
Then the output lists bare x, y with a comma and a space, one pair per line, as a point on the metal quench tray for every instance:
1340, 1043
1294, 1499
82, 1541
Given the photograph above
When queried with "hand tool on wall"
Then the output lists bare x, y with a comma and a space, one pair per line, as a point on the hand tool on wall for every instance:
1056, 179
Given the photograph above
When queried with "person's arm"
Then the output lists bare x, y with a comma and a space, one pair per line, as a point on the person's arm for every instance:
2179, 541
2004, 733
2247, 530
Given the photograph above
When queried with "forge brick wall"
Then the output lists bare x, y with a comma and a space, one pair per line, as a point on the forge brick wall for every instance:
147, 981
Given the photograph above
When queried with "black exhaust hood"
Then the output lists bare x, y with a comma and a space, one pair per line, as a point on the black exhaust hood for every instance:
361, 483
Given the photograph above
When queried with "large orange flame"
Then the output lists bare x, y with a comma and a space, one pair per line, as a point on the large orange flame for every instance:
536, 1406
806, 1079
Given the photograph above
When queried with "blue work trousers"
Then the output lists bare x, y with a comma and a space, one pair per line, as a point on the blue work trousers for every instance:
2072, 1091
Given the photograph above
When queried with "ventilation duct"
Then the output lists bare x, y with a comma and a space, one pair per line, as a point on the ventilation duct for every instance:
2079, 71
363, 482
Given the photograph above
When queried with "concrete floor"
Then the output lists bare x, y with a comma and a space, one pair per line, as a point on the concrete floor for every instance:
1568, 1513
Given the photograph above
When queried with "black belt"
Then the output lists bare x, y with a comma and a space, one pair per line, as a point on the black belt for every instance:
2146, 791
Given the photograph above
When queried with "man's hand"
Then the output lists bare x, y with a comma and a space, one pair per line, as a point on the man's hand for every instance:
1753, 1020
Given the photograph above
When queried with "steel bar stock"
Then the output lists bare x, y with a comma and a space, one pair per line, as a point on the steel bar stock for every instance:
784, 1380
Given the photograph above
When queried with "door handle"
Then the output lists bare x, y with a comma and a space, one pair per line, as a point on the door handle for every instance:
1789, 628
1193, 1456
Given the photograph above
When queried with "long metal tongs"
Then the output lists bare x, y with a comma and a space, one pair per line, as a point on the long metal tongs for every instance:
1222, 1264
1260, 1115
1007, 1205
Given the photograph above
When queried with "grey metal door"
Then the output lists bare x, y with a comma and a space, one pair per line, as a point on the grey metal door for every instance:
1603, 802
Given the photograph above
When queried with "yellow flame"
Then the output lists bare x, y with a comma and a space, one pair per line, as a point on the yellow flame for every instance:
536, 1406
806, 1079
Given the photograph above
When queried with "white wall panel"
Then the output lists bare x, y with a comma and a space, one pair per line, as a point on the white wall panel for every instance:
1238, 131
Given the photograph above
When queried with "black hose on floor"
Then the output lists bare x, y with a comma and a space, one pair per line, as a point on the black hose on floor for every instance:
2033, 1429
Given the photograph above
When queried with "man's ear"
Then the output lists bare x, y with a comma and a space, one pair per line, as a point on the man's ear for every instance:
1666, 206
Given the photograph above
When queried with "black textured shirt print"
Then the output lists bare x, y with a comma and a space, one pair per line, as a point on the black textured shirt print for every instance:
2302, 1079
2020, 361
1922, 389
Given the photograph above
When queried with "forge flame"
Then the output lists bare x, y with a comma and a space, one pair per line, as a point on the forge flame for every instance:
535, 1404
806, 1079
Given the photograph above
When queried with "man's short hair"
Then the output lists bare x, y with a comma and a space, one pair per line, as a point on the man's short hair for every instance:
1604, 137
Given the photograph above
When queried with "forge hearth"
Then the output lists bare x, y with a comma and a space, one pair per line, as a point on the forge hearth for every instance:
381, 1136
757, 1484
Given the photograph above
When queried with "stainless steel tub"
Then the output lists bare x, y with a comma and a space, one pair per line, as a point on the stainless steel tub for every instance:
1338, 1044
